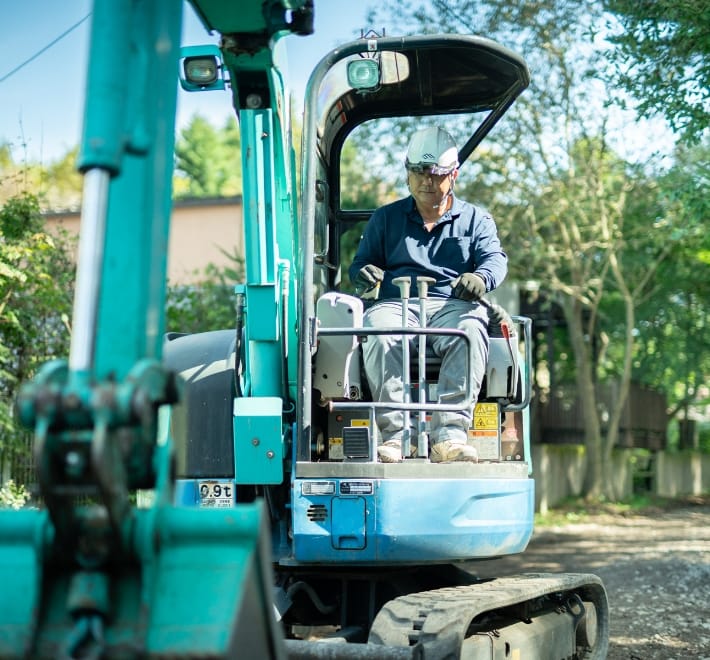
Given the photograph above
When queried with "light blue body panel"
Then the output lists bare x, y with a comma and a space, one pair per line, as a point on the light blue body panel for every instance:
412, 519
381, 519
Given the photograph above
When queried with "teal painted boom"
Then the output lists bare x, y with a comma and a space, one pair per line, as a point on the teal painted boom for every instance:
107, 579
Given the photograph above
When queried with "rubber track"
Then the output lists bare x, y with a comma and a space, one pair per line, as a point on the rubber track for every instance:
439, 619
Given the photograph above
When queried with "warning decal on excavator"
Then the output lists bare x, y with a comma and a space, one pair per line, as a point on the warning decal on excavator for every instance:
485, 417
484, 431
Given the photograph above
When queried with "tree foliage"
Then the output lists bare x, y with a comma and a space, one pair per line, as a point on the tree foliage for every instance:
16, 178
208, 304
208, 160
359, 189
36, 284
62, 183
674, 335
662, 60
207, 164
57, 185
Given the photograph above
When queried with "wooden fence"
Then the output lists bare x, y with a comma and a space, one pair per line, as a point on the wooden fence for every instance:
643, 423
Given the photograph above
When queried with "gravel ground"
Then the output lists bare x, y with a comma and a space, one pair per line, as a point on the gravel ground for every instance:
655, 565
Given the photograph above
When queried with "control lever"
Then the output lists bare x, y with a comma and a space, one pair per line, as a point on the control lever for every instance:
506, 325
404, 284
423, 283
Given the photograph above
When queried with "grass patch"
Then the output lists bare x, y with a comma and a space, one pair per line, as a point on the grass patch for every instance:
576, 510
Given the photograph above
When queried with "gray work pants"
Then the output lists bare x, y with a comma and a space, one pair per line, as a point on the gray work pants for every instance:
383, 361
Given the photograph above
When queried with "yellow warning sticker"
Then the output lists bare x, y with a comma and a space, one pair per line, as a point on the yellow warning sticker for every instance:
485, 417
359, 422
335, 449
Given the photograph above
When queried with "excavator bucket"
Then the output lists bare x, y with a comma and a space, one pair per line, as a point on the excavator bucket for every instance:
190, 583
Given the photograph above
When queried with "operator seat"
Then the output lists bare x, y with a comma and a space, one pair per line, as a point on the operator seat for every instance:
338, 360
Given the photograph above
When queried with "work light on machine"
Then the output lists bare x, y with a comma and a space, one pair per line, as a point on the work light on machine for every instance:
201, 68
201, 71
364, 74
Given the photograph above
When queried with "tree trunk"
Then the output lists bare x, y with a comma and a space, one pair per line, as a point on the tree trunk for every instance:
594, 478
617, 409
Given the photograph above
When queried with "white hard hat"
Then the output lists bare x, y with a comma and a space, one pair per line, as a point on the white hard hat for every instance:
432, 149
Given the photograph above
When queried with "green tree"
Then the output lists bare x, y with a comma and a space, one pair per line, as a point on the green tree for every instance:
62, 183
673, 339
5, 156
662, 60
208, 160
57, 185
358, 190
588, 238
16, 178
36, 284
209, 303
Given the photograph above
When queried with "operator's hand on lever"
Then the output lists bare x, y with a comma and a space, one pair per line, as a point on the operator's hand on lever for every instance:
469, 286
368, 278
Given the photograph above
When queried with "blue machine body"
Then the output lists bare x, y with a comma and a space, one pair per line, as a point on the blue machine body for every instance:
395, 520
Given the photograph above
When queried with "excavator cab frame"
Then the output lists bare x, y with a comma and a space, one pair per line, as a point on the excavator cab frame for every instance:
421, 77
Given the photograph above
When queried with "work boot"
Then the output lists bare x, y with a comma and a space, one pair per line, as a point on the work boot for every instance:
391, 451
449, 450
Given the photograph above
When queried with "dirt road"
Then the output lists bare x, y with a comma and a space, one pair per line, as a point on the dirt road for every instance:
656, 568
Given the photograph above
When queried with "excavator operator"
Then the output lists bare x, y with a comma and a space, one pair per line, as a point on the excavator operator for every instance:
435, 234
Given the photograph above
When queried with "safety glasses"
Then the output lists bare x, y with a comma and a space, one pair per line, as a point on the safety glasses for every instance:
422, 169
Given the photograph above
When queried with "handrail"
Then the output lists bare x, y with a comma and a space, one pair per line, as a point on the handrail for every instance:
386, 405
527, 380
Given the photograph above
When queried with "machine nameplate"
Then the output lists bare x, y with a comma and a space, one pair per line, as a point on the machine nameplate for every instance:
216, 494
357, 488
318, 488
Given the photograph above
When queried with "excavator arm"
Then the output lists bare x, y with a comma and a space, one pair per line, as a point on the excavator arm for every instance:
92, 575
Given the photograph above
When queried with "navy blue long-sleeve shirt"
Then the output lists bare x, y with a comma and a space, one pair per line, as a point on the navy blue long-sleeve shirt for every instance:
464, 240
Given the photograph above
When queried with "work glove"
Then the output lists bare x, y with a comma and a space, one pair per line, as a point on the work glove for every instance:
469, 286
368, 277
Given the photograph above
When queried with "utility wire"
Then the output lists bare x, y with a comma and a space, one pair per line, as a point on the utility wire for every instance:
47, 47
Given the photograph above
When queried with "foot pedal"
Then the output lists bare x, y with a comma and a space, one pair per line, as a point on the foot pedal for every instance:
356, 443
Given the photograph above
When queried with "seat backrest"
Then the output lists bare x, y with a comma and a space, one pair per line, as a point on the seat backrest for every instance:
337, 372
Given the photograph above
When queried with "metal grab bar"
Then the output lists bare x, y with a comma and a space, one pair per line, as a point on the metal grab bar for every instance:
510, 407
527, 376
405, 406
469, 394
